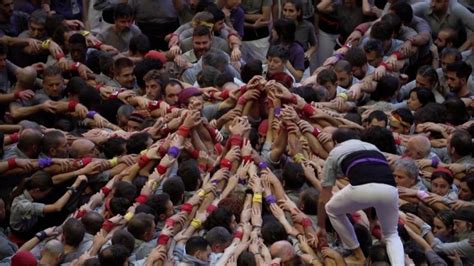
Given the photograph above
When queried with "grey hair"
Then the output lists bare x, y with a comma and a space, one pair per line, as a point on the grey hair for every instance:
409, 166
218, 235
54, 247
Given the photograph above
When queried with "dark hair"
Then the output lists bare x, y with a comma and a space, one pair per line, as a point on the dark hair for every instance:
378, 253
77, 38
140, 224
452, 52
139, 44
463, 70
404, 11
446, 217
216, 13
386, 88
343, 134
394, 22
429, 72
310, 93
441, 174
145, 66
38, 16
378, 115
158, 203
343, 65
250, 69
309, 198
189, 172
273, 231
195, 244
174, 187
325, 76
87, 95
293, 175
73, 232
113, 255
278, 51
125, 190
457, 112
218, 235
215, 58
424, 95
219, 217
247, 258
431, 112
122, 63
382, 138
201, 30
469, 179
123, 10
51, 140
119, 205
364, 237
106, 63
285, 29
114, 147
207, 76
124, 238
52, 71
298, 6
405, 114
374, 45
3, 49
461, 141
381, 31
234, 204
356, 56
92, 222
137, 142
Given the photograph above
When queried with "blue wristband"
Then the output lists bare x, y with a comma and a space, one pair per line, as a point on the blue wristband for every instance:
45, 162
262, 165
174, 152
91, 114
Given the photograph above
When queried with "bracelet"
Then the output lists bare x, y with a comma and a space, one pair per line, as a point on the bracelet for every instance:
238, 234
277, 111
187, 207
270, 199
153, 105
316, 132
98, 45
183, 131
434, 162
11, 163
161, 169
343, 96
218, 148
225, 163
75, 66
14, 137
201, 193
386, 66
195, 154
108, 225
196, 223
308, 110
143, 160
169, 222
71, 106
235, 140
293, 99
262, 165
257, 197
163, 239
397, 55
113, 162
306, 223
128, 216
142, 199
59, 56
91, 114
45, 162
173, 151
338, 56
421, 194
41, 235
247, 158
105, 190
84, 33
224, 94
211, 208
45, 44
298, 158
242, 100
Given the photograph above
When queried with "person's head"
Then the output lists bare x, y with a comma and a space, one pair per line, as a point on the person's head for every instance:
328, 79
277, 56
233, 203
308, 201
219, 239
36, 24
358, 60
30, 141
441, 181
125, 190
55, 144
123, 72
460, 144
189, 172
83, 147
343, 71
52, 252
374, 52
123, 16
6, 8
386, 88
293, 10
172, 90
282, 249
404, 11
382, 31
457, 113
154, 80
250, 69
377, 118
139, 45
146, 65
92, 222
405, 172
283, 32
39, 185
443, 224
114, 147
124, 238
343, 134
431, 112
106, 64
464, 221
381, 137
419, 97
448, 56
217, 59
191, 98
401, 120
457, 77
114, 255
439, 6
73, 232
221, 217
199, 248
174, 187
247, 258
466, 188
77, 47
202, 40
162, 204
123, 114
138, 142
53, 82
418, 147
445, 38
426, 77
142, 226
293, 176
273, 231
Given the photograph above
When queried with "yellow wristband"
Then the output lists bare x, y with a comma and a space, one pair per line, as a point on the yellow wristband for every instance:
257, 197
143, 152
343, 96
152, 184
84, 33
298, 158
196, 223
113, 162
201, 193
128, 216
45, 44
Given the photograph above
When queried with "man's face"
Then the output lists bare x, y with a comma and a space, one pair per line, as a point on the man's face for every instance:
78, 52
275, 65
455, 84
343, 79
201, 44
461, 226
152, 90
61, 150
359, 72
133, 126
402, 178
373, 59
196, 103
123, 23
446, 60
204, 255
126, 78
440, 41
171, 94
439, 5
36, 30
423, 82
53, 86
6, 8
218, 26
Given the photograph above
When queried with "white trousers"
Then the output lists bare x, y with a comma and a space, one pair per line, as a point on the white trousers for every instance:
384, 198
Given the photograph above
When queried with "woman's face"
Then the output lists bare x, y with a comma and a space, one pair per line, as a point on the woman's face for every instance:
440, 186
290, 12
440, 229
464, 192
402, 178
413, 102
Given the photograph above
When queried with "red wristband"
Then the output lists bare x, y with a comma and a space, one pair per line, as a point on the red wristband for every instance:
59, 56
211, 208
183, 131
161, 169
308, 110
72, 106
242, 100
218, 148
143, 160
99, 86
108, 226
16, 95
187, 207
293, 99
105, 190
306, 223
316, 132
98, 45
153, 105
169, 222
247, 158
195, 154
224, 94
238, 235
141, 199
397, 54
235, 140
79, 214
225, 163
75, 66
14, 137
11, 163
86, 160
386, 66
163, 239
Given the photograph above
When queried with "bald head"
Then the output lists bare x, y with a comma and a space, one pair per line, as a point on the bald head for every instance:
418, 147
82, 147
26, 77
30, 142
282, 249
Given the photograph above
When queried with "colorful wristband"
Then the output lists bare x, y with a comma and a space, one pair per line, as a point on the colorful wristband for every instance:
91, 114
270, 199
163, 239
262, 165
161, 169
174, 151
143, 161
45, 162
225, 163
11, 163
187, 207
196, 223
14, 137
72, 106
105, 190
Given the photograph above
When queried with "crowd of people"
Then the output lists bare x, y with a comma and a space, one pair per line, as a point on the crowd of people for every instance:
236, 132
